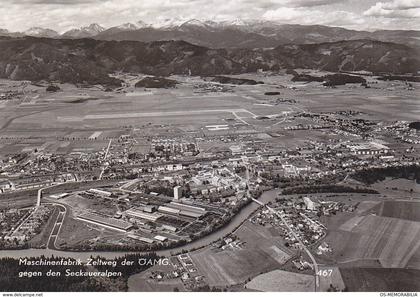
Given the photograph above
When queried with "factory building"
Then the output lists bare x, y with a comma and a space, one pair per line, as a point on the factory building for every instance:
139, 214
106, 222
371, 148
188, 210
59, 196
140, 238
169, 228
161, 238
175, 208
310, 205
177, 192
100, 192
149, 208
168, 210
5, 186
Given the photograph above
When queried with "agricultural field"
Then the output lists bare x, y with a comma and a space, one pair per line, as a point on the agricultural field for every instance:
81, 204
399, 188
405, 210
376, 248
361, 239
91, 110
74, 233
282, 281
18, 200
259, 252
138, 284
91, 113
330, 279
414, 262
381, 279
266, 239
226, 268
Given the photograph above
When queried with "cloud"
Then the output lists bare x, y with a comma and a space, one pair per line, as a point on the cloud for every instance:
61, 15
395, 9
313, 3
52, 2
304, 16
402, 4
283, 14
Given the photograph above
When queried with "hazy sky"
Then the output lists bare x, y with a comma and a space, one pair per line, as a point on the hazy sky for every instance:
60, 15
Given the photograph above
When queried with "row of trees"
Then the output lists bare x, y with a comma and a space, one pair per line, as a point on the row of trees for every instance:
327, 189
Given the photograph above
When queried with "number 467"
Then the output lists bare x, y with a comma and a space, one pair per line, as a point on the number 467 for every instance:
325, 272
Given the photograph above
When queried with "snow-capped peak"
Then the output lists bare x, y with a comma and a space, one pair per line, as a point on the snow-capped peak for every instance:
194, 22
140, 24
169, 23
249, 25
238, 22
34, 31
88, 31
93, 29
38, 31
128, 27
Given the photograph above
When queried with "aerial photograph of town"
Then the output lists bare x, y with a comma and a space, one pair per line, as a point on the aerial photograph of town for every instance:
213, 146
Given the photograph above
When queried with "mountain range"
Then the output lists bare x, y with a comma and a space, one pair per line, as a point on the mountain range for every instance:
91, 61
232, 34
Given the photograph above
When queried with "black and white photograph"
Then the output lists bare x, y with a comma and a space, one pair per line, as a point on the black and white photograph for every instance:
175, 146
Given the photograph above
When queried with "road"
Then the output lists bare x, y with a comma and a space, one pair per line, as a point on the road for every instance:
52, 240
38, 201
106, 156
24, 221
130, 183
308, 252
107, 149
239, 118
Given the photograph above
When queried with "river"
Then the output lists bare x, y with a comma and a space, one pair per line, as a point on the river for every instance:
232, 225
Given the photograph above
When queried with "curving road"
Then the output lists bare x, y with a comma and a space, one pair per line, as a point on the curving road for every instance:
52, 240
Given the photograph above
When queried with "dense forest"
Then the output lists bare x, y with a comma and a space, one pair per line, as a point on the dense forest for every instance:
373, 175
414, 125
